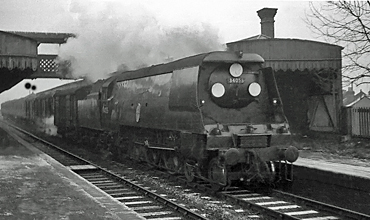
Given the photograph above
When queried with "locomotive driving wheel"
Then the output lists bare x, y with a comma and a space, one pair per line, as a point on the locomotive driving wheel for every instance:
134, 152
130, 151
260, 171
189, 171
271, 171
172, 163
217, 173
152, 157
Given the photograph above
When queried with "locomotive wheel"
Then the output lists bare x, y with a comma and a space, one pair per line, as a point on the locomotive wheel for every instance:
138, 153
217, 173
130, 152
189, 172
261, 171
171, 163
152, 157
134, 152
271, 172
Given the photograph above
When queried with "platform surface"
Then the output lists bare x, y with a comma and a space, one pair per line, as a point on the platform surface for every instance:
339, 167
35, 186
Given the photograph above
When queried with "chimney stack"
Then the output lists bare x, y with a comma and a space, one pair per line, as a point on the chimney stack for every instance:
267, 21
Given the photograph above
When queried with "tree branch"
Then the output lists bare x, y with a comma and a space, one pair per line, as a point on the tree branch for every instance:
347, 24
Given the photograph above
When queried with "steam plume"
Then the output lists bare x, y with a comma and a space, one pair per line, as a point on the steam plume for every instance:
116, 36
47, 126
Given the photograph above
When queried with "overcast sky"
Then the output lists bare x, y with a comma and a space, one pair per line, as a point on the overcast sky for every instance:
217, 20
235, 19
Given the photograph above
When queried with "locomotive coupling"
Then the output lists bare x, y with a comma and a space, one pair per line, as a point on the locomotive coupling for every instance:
236, 155
275, 153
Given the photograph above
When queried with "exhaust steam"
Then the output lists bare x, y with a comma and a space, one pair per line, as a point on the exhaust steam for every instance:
118, 36
47, 126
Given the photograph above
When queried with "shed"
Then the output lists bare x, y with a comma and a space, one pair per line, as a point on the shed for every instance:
357, 117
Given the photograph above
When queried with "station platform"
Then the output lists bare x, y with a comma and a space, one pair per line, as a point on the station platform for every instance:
336, 167
349, 173
35, 186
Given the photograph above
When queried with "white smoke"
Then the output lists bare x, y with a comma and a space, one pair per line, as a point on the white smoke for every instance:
118, 36
48, 126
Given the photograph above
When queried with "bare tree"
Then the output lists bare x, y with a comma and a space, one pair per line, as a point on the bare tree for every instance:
346, 24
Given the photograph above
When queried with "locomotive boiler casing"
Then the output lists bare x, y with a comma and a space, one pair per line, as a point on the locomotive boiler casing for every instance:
163, 100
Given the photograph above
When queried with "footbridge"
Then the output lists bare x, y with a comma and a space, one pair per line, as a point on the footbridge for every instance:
19, 58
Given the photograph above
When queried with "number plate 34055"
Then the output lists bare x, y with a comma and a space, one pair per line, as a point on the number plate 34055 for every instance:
235, 81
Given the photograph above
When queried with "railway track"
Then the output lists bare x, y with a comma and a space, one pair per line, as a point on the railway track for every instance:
141, 199
281, 205
273, 204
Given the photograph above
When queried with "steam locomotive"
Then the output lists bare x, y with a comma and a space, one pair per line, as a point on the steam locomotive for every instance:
211, 116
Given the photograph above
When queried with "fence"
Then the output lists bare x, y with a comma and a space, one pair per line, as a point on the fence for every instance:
360, 122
